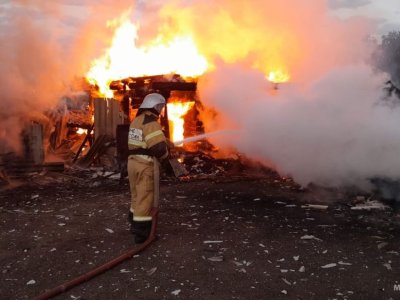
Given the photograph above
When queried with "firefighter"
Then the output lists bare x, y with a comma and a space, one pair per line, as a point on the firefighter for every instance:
147, 148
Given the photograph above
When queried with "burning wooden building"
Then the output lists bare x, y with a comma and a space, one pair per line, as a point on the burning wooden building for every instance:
94, 128
112, 116
118, 81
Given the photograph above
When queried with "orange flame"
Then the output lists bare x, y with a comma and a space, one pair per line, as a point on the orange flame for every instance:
124, 59
185, 50
176, 113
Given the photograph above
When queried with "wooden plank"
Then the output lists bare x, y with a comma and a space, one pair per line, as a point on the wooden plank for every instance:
178, 168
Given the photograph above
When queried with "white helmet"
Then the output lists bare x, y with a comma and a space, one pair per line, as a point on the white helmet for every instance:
153, 100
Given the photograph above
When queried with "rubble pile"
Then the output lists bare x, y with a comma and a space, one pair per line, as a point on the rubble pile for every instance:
198, 163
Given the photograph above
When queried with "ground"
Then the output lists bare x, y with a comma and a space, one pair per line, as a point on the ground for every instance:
244, 234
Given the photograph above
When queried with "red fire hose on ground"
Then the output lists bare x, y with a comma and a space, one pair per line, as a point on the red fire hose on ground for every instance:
101, 269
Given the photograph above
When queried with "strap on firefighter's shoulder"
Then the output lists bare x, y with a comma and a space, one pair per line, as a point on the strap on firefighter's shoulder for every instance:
139, 151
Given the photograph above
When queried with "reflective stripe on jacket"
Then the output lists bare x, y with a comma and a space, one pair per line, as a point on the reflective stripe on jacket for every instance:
145, 132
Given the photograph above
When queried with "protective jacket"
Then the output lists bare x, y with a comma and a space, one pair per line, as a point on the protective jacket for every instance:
147, 146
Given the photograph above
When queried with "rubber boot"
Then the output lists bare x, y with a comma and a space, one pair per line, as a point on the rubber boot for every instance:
142, 231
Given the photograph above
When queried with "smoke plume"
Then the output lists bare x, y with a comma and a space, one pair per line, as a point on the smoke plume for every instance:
327, 125
334, 132
45, 46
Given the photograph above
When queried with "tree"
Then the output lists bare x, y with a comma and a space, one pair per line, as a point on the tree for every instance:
388, 57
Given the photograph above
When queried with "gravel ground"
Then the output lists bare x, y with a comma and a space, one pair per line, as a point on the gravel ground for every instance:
238, 235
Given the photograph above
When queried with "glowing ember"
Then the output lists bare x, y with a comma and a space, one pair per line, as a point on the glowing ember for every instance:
176, 113
278, 76
81, 131
124, 59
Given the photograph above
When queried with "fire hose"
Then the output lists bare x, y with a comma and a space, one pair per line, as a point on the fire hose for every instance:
105, 267
112, 263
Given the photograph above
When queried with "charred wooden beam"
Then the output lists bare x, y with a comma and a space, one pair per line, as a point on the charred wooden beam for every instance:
85, 140
99, 147
174, 86
152, 83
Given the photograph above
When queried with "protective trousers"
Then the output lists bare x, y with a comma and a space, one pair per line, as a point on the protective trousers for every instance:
144, 180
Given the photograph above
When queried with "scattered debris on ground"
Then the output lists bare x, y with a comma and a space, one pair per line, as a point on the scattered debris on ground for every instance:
226, 230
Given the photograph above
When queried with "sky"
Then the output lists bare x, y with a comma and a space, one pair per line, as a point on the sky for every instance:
387, 12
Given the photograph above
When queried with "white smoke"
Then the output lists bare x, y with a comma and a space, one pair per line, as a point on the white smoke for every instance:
328, 125
334, 131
